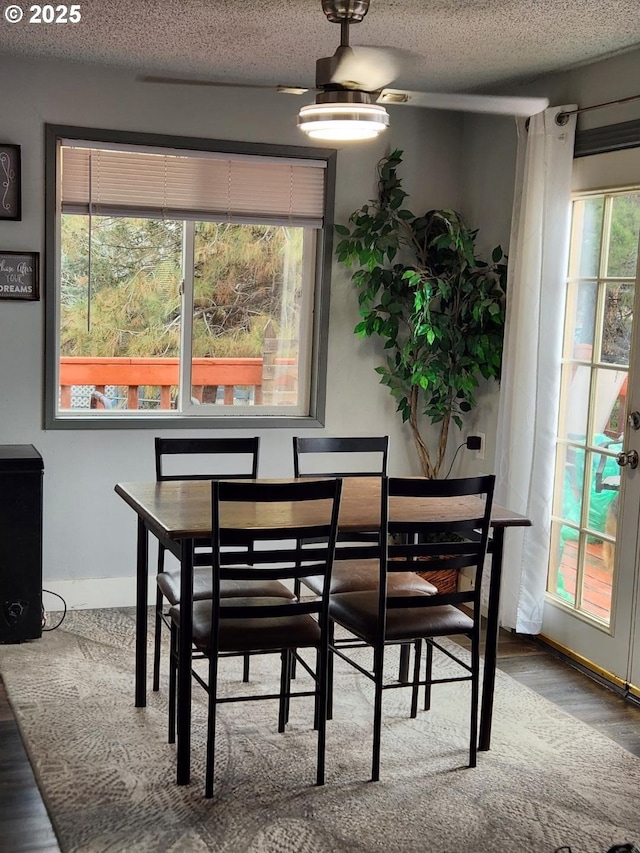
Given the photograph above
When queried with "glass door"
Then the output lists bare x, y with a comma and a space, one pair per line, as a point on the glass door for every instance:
592, 595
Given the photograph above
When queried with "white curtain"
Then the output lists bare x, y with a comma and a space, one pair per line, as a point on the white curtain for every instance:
538, 256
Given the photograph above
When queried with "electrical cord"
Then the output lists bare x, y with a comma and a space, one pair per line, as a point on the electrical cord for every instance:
44, 612
464, 444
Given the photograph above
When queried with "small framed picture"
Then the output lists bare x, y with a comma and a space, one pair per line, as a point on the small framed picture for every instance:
20, 275
10, 182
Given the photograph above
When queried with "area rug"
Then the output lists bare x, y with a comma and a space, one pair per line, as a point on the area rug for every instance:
108, 775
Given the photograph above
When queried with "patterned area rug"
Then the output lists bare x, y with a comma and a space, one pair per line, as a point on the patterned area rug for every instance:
107, 773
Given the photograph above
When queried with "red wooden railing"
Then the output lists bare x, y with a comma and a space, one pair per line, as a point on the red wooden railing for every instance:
268, 377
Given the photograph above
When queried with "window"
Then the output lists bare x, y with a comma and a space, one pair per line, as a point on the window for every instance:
188, 281
593, 400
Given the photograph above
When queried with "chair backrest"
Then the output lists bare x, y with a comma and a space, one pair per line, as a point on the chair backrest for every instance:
368, 456
436, 525
226, 458
256, 534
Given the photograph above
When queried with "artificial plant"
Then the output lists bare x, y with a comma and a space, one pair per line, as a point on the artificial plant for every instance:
438, 307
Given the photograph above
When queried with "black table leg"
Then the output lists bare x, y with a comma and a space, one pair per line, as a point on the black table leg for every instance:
403, 669
491, 641
184, 663
141, 613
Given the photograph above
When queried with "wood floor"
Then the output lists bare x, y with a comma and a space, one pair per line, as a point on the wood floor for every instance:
25, 826
24, 822
530, 663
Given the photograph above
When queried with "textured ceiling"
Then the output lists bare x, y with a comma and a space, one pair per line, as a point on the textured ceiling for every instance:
453, 45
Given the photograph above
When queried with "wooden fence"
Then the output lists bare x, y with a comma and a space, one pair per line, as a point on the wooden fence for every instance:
274, 381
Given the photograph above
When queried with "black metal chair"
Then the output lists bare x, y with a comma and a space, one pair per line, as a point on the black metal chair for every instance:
453, 537
361, 465
225, 626
353, 575
231, 458
216, 448
367, 458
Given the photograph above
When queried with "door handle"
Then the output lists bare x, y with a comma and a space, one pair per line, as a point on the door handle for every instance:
629, 458
634, 420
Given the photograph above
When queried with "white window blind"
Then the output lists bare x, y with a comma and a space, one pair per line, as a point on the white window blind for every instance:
130, 181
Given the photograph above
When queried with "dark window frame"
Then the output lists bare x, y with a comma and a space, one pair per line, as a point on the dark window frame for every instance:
320, 322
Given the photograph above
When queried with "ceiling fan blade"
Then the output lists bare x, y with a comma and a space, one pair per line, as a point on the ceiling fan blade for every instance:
497, 104
367, 69
293, 90
184, 81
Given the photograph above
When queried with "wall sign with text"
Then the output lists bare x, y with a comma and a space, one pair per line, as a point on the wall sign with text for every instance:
19, 275
10, 178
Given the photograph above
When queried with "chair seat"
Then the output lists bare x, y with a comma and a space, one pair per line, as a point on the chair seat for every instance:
169, 585
246, 635
359, 575
358, 613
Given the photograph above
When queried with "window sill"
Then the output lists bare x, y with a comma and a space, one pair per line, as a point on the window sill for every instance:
171, 421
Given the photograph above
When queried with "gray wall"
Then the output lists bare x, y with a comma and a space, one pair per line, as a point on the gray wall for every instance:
489, 158
89, 532
466, 163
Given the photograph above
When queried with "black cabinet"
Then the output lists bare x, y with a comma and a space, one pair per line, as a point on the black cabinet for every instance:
21, 475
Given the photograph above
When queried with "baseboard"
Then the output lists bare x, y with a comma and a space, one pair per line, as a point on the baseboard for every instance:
94, 593
587, 667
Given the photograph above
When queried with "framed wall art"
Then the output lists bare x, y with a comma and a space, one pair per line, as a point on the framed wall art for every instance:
10, 182
20, 275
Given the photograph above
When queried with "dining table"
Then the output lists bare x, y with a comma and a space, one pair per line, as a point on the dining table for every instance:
178, 514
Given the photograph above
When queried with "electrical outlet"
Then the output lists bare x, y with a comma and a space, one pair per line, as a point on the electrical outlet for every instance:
480, 451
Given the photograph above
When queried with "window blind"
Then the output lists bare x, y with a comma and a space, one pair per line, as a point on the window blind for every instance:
125, 181
612, 137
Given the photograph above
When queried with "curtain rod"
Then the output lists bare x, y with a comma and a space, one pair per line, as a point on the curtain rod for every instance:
563, 118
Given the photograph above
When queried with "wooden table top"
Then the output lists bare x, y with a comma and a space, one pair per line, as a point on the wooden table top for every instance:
181, 509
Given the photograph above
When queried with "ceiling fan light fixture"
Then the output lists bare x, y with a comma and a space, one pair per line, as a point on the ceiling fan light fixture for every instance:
342, 122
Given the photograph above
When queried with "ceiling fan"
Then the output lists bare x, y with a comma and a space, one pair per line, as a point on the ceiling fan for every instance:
353, 87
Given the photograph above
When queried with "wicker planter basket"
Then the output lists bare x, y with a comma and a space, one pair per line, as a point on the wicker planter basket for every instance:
446, 580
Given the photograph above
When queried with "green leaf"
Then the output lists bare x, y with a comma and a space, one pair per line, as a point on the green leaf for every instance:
440, 315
